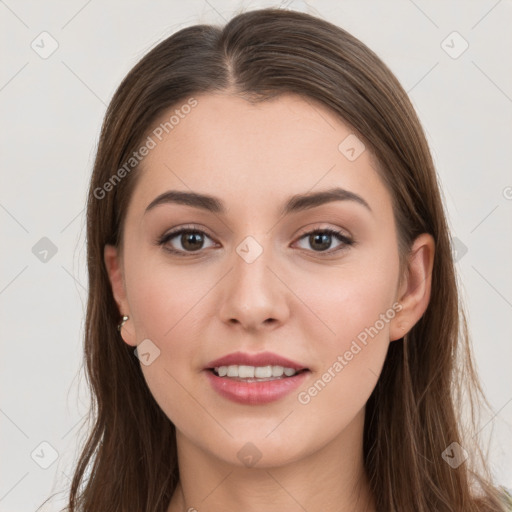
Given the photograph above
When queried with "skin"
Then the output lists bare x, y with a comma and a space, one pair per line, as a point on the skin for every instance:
293, 300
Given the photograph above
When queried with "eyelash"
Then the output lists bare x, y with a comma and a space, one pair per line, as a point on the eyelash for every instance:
341, 237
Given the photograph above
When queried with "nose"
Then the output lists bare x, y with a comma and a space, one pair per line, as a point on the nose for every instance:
253, 296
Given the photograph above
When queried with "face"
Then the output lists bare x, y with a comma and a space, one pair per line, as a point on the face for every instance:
264, 277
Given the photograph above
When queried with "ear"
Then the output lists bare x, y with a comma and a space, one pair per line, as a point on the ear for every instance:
414, 292
114, 266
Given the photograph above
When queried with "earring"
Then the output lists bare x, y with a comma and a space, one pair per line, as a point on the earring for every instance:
123, 321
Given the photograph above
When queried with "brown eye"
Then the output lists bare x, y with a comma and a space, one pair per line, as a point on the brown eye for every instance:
320, 240
192, 241
185, 241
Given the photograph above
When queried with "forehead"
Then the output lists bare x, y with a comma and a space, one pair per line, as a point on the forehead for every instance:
254, 152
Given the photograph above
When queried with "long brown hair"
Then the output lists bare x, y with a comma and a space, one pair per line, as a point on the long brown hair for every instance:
128, 462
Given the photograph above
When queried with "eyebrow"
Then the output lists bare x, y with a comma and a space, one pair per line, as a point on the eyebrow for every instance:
295, 203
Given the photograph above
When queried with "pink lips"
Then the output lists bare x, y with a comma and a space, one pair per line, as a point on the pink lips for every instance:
262, 359
254, 393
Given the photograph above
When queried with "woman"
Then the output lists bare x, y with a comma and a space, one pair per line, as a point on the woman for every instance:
273, 319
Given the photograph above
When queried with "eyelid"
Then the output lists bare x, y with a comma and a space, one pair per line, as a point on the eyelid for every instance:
187, 227
323, 227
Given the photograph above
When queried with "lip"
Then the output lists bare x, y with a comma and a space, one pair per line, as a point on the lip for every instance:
255, 393
261, 359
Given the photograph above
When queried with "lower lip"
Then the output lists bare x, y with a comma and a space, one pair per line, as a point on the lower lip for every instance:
255, 393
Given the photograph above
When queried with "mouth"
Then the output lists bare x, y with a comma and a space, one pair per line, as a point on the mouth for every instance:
255, 379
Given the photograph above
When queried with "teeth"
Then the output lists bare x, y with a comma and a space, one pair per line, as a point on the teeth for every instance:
263, 372
251, 372
246, 372
232, 371
277, 371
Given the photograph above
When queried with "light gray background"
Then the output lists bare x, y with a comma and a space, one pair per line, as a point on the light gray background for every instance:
52, 111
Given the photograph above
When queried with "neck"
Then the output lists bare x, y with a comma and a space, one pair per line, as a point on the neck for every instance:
331, 479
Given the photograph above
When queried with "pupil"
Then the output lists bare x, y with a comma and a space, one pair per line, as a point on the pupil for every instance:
323, 239
188, 240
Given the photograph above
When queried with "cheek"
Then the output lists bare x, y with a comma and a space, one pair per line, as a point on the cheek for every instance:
353, 337
349, 303
164, 300
348, 364
167, 308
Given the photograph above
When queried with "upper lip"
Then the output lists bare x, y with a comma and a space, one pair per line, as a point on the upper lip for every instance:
261, 359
